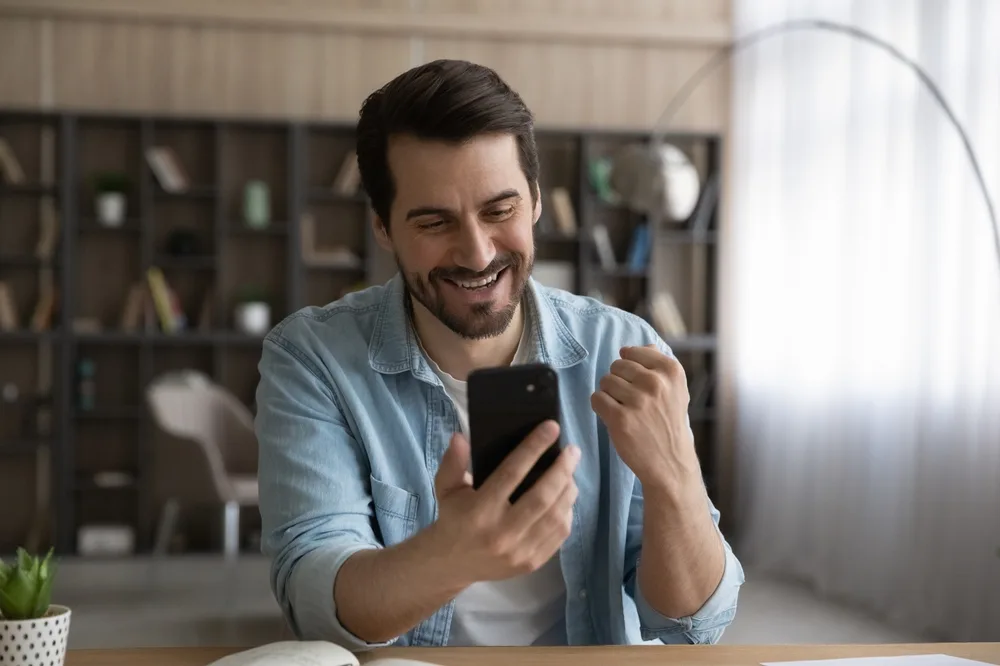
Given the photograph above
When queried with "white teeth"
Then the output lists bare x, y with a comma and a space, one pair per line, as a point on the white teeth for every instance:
476, 284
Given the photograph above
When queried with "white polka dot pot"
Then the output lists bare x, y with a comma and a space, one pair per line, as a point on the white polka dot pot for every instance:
39, 642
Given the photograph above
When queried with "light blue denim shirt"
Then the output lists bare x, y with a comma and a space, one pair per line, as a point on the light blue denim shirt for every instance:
352, 422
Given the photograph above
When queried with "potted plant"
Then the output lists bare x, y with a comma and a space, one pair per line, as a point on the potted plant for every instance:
253, 312
110, 188
33, 631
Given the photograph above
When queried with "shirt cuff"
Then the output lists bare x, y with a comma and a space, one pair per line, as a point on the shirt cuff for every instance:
707, 624
314, 610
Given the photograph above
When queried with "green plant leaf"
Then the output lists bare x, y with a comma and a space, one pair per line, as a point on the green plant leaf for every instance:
4, 573
24, 560
44, 597
17, 599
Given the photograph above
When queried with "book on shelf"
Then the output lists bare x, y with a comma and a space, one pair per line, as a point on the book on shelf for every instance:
564, 214
605, 250
166, 302
41, 319
639, 248
666, 315
10, 167
167, 168
349, 177
9, 321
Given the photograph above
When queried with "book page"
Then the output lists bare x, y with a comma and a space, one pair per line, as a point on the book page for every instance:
291, 653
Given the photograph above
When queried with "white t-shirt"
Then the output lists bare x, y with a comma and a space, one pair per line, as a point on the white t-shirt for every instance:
525, 610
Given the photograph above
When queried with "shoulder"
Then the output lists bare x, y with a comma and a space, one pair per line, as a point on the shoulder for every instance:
341, 328
595, 323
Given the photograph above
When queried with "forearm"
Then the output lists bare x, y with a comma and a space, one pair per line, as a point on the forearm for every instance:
381, 594
683, 557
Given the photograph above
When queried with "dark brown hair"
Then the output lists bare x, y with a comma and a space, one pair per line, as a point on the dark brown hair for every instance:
448, 100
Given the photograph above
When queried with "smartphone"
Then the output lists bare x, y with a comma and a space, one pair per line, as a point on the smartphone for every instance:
505, 404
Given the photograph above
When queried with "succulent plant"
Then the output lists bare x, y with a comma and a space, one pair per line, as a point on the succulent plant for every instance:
26, 586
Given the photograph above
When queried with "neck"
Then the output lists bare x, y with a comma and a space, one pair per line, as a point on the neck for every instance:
459, 356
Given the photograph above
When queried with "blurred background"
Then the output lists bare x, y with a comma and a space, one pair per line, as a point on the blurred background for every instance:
177, 176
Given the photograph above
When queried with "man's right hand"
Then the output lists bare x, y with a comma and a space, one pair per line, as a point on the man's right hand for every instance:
479, 534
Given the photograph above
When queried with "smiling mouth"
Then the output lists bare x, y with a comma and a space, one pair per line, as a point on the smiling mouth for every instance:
481, 283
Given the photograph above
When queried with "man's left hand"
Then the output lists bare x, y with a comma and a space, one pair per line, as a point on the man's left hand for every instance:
643, 401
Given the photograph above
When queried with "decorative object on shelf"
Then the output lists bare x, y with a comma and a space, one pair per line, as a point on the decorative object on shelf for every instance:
334, 257
86, 385
167, 168
348, 179
45, 309
110, 200
31, 627
253, 312
257, 204
658, 181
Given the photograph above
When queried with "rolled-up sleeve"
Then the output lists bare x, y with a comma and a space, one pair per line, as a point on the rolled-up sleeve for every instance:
315, 499
704, 626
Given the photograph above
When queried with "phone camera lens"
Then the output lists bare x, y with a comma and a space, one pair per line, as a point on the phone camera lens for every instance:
531, 388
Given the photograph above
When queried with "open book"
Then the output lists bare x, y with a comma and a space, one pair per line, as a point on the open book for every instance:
305, 653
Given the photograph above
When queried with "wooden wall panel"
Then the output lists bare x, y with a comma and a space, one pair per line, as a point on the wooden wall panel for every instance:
109, 55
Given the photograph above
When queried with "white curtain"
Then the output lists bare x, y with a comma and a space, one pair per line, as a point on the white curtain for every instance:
867, 324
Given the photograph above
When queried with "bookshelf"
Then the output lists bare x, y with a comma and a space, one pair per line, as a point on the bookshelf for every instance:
82, 300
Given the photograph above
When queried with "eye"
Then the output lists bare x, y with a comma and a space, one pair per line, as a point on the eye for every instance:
431, 224
500, 213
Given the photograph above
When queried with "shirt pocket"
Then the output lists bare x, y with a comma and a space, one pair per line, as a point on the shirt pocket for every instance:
395, 511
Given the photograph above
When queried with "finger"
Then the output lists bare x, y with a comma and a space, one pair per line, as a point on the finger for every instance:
628, 369
621, 389
607, 408
547, 535
539, 499
649, 357
453, 473
509, 474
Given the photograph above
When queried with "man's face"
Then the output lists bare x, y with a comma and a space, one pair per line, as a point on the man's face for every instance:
461, 229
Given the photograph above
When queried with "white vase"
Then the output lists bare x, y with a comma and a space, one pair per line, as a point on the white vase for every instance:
39, 642
253, 318
111, 209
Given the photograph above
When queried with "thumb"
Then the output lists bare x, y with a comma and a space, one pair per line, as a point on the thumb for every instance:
453, 471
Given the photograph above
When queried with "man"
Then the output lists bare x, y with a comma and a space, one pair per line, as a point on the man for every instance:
376, 533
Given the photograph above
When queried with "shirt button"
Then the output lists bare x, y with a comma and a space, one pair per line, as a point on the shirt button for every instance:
583, 594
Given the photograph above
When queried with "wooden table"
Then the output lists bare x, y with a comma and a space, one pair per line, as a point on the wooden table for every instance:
699, 655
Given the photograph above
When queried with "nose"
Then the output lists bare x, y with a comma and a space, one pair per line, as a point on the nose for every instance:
474, 248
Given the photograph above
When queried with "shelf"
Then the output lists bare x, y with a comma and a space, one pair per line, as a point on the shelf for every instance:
27, 336
323, 195
28, 189
193, 337
275, 229
24, 261
688, 237
624, 272
92, 226
21, 446
197, 262
195, 192
110, 414
556, 238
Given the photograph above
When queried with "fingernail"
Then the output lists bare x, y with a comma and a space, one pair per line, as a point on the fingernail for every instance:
550, 428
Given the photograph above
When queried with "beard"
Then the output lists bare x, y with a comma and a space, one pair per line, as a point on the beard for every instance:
481, 320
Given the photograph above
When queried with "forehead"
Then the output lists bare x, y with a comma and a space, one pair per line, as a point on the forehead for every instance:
432, 172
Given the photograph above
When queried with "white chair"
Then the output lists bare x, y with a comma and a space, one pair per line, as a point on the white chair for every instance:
204, 452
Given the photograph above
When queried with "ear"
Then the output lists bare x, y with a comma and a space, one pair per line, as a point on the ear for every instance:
381, 234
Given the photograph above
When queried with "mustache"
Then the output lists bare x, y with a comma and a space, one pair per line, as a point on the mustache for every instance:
464, 274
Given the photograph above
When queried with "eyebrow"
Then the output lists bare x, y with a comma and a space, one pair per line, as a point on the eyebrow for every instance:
432, 210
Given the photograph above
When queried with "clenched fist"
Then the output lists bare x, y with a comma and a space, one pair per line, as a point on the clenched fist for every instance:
643, 401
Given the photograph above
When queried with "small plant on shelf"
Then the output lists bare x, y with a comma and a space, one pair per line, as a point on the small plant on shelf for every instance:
31, 627
253, 311
110, 189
